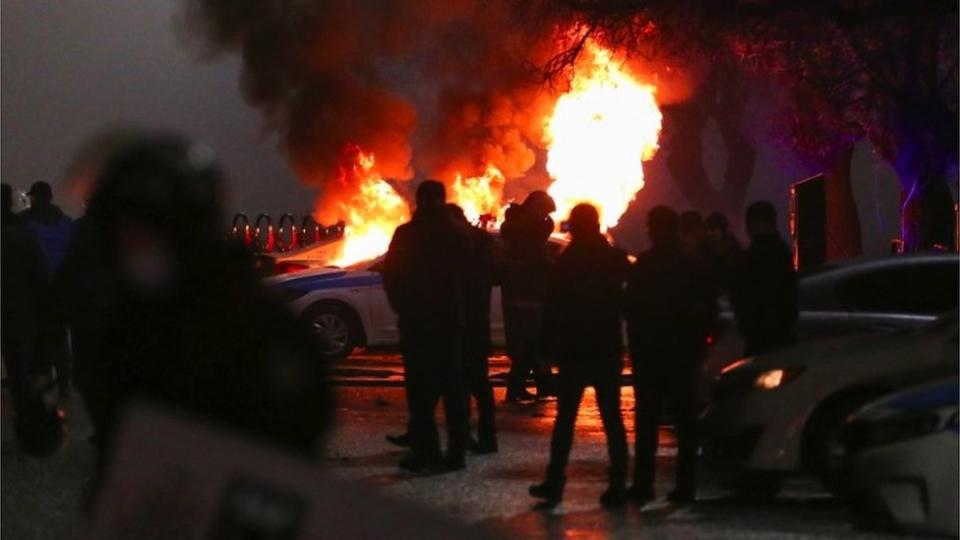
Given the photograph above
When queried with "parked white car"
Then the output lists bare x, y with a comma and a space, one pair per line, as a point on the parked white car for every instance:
784, 412
903, 460
859, 296
350, 306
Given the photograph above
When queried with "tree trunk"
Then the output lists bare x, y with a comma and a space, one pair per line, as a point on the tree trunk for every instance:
927, 218
843, 223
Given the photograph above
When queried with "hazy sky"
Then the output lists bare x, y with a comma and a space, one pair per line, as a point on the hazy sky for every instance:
72, 67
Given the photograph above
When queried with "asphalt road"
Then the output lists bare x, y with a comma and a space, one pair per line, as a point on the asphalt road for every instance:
41, 498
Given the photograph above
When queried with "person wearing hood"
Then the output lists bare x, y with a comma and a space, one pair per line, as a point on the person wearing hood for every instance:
52, 227
764, 286
523, 273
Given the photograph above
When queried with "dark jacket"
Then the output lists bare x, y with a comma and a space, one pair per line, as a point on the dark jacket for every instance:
53, 229
480, 276
765, 294
585, 302
24, 280
526, 262
219, 347
671, 301
425, 273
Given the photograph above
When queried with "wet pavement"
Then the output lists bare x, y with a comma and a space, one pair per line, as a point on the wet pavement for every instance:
41, 498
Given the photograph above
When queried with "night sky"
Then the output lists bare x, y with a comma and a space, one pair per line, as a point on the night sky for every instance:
70, 69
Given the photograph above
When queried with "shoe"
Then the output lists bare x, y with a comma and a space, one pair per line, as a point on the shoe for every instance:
417, 464
520, 395
613, 497
682, 496
641, 495
402, 440
485, 447
550, 492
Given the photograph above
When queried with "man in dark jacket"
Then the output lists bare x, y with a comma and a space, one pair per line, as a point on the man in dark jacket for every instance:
424, 276
585, 305
670, 306
192, 327
53, 230
723, 249
476, 342
765, 285
524, 269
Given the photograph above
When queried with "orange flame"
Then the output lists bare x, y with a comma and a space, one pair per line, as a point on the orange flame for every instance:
599, 134
479, 195
371, 214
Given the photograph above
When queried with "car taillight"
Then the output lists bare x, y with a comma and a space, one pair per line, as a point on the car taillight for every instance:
288, 268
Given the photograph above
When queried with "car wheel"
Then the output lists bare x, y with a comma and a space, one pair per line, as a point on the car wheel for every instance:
824, 442
335, 327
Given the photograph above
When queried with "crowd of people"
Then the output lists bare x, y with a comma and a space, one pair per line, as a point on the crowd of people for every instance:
143, 299
568, 310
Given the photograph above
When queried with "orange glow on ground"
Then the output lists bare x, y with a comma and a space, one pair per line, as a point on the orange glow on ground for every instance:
598, 136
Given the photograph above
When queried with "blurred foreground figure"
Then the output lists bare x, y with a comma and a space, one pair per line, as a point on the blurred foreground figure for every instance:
25, 311
424, 276
525, 267
765, 285
670, 306
192, 328
476, 338
585, 306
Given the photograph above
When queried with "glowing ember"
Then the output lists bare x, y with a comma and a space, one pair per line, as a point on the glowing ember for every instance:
371, 214
479, 195
599, 134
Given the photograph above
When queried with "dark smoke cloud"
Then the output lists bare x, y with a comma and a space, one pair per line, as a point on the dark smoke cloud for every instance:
444, 87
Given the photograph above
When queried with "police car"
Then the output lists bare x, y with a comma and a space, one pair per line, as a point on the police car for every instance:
350, 308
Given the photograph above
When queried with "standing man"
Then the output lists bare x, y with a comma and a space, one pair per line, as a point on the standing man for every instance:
53, 229
723, 249
765, 285
525, 231
585, 304
424, 276
670, 306
476, 342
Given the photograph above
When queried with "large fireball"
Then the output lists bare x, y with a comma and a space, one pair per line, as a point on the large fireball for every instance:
598, 136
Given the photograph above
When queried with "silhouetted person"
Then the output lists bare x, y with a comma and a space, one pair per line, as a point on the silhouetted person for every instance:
670, 306
53, 229
424, 276
723, 249
476, 342
23, 315
192, 327
585, 305
524, 269
765, 285
693, 234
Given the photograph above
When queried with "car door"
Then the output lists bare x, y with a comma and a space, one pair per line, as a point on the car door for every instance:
900, 296
382, 330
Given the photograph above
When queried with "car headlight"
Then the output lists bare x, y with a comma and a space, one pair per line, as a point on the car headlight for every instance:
775, 378
865, 434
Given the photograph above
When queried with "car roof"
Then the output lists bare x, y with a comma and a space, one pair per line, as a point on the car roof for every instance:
860, 264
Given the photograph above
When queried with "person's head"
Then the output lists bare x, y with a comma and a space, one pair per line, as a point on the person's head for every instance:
456, 213
663, 225
761, 219
157, 204
431, 193
584, 221
539, 204
7, 198
41, 194
716, 225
